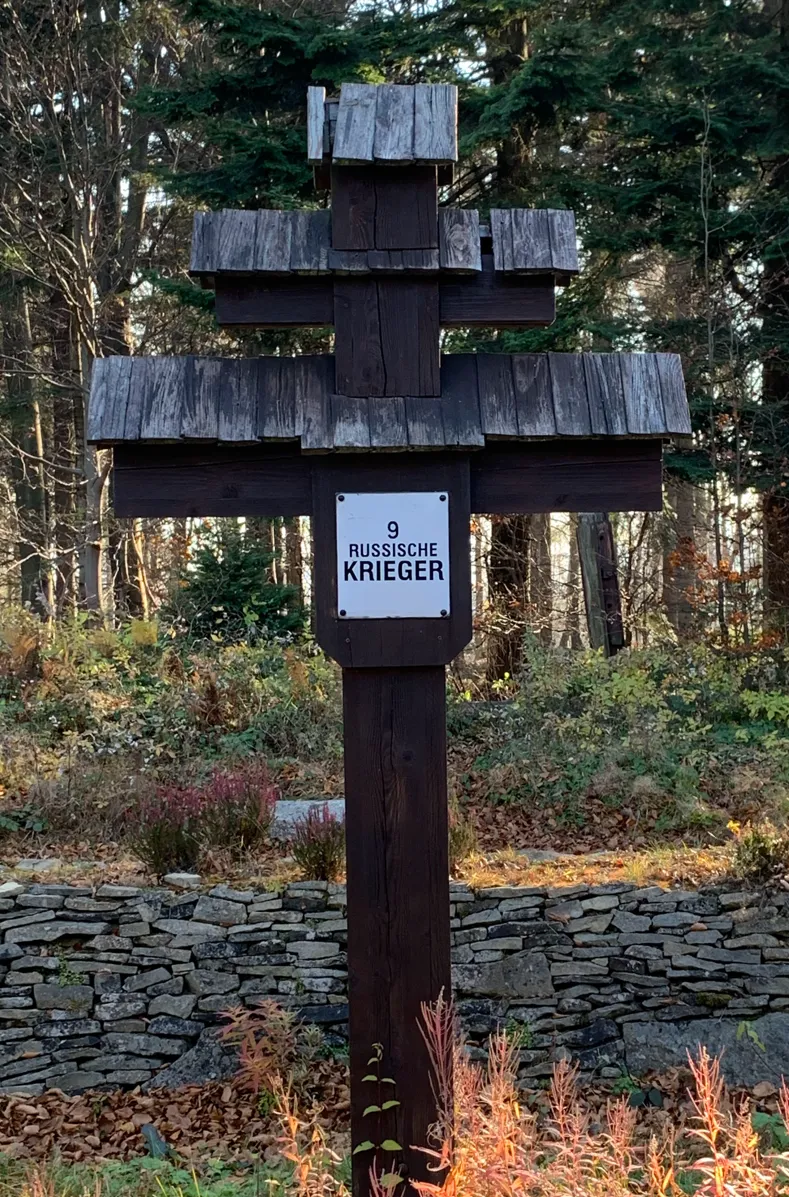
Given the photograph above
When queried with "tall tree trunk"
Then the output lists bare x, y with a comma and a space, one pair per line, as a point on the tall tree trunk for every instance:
597, 556
679, 574
541, 578
508, 585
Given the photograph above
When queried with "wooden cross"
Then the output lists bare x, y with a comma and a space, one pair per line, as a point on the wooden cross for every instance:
389, 448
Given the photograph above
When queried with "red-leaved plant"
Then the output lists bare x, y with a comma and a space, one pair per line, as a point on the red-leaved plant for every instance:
318, 844
233, 810
238, 807
168, 832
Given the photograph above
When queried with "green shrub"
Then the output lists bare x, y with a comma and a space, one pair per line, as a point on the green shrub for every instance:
225, 595
318, 844
760, 852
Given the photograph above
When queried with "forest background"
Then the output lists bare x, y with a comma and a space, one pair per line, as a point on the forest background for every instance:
148, 645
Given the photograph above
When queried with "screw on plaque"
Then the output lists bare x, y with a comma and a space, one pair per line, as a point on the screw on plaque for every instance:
341, 498
342, 612
443, 612
443, 498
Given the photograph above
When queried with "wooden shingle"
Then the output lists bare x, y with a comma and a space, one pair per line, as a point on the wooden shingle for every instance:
515, 397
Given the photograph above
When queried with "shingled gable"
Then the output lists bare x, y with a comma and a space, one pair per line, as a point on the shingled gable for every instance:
487, 396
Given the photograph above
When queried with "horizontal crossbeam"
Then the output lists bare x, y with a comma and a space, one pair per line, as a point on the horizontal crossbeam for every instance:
276, 480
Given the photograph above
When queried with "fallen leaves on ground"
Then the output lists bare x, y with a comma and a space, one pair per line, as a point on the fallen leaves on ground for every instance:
218, 1119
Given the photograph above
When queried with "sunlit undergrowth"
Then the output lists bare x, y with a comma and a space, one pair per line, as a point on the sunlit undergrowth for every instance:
663, 745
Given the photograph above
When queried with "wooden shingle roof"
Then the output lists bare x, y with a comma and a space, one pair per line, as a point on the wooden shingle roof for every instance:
502, 396
387, 122
268, 242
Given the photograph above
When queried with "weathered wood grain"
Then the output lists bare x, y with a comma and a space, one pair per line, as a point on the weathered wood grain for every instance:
276, 399
350, 422
409, 336
643, 399
387, 421
316, 117
200, 403
309, 243
203, 258
238, 417
488, 298
349, 261
420, 259
142, 372
435, 122
533, 394
570, 403
458, 239
531, 239
672, 390
354, 136
273, 239
406, 208
353, 204
330, 126
183, 480
498, 409
394, 123
501, 234
270, 302
567, 475
425, 422
109, 398
358, 344
398, 926
385, 260
164, 396
237, 237
314, 383
605, 394
460, 401
564, 246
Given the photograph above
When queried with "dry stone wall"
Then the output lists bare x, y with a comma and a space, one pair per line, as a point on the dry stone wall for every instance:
118, 986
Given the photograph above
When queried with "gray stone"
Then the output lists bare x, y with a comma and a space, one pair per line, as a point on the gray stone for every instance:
220, 911
118, 891
676, 918
52, 932
520, 975
208, 1060
202, 981
601, 902
661, 1045
10, 951
39, 864
145, 980
232, 895
110, 943
10, 889
178, 1007
311, 949
167, 1024
78, 1081
623, 921
76, 998
41, 901
68, 1028
91, 906
182, 880
190, 930
114, 1007
143, 1044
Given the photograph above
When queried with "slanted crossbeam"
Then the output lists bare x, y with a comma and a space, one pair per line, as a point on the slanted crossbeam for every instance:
389, 447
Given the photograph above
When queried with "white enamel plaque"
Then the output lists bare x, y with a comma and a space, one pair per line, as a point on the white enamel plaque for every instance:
393, 555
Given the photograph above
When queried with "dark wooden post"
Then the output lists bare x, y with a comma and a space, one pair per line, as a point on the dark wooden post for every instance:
398, 900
